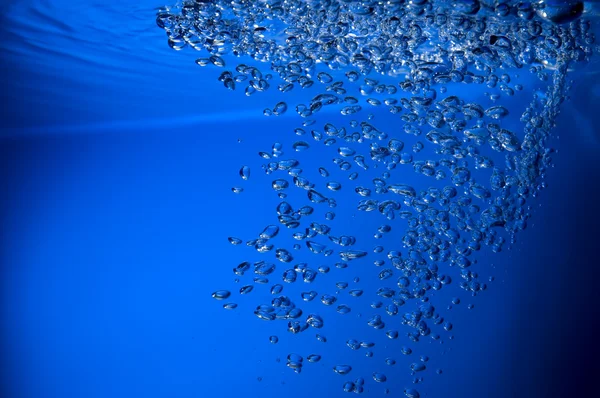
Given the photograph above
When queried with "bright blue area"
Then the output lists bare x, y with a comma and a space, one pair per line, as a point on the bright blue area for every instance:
117, 156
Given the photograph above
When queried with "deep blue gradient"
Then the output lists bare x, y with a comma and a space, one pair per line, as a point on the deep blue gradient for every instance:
117, 158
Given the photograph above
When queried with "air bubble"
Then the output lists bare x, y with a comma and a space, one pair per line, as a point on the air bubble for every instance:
342, 369
475, 178
221, 294
234, 240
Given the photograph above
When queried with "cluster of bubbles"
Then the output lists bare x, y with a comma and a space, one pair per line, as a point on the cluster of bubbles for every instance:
422, 60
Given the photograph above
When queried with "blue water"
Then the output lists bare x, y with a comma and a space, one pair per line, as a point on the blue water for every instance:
118, 155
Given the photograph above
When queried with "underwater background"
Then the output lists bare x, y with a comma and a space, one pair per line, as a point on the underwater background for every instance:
118, 156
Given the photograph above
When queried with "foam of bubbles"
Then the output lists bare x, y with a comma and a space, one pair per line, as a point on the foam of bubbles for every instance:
448, 73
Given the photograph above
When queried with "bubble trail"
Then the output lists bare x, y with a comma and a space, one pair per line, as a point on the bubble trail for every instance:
447, 73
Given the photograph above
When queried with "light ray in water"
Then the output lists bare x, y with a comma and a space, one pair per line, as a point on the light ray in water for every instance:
131, 125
